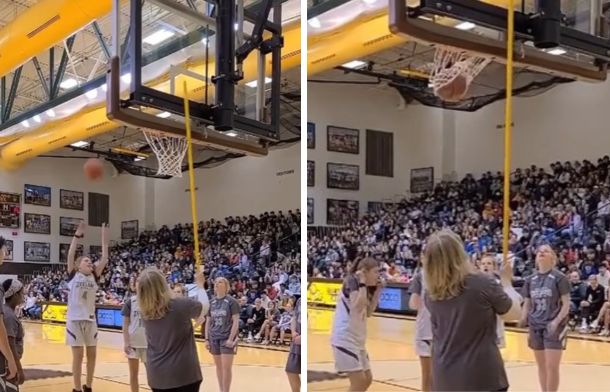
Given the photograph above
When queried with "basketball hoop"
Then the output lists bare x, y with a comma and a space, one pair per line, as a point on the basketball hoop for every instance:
453, 71
169, 149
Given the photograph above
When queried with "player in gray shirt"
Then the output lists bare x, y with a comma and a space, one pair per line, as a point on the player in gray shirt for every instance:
221, 331
171, 359
14, 297
463, 305
5, 348
546, 309
293, 365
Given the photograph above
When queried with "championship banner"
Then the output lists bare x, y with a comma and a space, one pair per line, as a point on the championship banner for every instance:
55, 312
324, 293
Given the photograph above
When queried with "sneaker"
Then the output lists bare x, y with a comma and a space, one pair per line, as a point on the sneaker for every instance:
87, 389
594, 325
583, 327
604, 332
250, 338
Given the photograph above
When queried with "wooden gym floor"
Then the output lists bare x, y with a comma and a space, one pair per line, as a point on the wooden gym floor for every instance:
47, 356
585, 363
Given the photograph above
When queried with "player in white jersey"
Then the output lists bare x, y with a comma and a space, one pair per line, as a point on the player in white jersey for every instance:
423, 329
81, 326
134, 338
357, 300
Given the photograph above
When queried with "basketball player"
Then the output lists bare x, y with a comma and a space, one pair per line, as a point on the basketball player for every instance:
293, 365
81, 327
134, 338
355, 304
221, 332
488, 267
546, 310
463, 305
172, 363
423, 330
13, 293
5, 349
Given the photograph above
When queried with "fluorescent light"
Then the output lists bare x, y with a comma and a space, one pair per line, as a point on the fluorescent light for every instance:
25, 123
164, 114
557, 51
254, 83
139, 158
466, 26
105, 87
37, 119
91, 94
315, 23
354, 64
158, 36
68, 84
126, 78
79, 144
236, 26
204, 41
50, 113
231, 133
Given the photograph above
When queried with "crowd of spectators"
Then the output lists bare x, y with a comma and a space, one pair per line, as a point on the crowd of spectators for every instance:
260, 255
566, 205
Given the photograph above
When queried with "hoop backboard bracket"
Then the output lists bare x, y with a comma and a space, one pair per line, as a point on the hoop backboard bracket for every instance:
543, 29
222, 114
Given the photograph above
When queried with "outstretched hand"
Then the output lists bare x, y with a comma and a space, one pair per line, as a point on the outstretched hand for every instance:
80, 230
104, 234
506, 270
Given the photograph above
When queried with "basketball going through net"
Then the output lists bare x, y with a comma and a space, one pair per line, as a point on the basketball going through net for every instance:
453, 72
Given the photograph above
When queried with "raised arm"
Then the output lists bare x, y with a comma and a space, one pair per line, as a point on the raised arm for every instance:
79, 234
103, 262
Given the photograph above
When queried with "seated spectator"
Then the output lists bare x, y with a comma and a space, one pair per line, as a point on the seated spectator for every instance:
592, 304
283, 325
256, 321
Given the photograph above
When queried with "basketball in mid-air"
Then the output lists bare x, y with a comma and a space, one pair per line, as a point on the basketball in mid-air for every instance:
454, 91
94, 169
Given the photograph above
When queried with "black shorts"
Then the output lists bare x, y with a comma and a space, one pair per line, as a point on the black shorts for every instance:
293, 365
187, 388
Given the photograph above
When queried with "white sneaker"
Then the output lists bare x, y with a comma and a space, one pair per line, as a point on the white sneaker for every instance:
594, 325
583, 327
250, 338
604, 332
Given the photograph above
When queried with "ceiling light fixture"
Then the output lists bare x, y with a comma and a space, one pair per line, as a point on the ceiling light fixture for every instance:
158, 36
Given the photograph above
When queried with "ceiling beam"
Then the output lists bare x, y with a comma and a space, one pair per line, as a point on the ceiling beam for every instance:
12, 94
63, 63
41, 77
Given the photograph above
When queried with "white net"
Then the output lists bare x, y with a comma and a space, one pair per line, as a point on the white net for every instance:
170, 151
451, 63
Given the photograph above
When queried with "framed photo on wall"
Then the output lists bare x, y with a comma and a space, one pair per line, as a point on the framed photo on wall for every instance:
129, 230
422, 180
9, 250
345, 140
311, 135
311, 173
10, 210
71, 200
68, 226
63, 252
341, 212
310, 205
37, 223
342, 176
37, 195
37, 251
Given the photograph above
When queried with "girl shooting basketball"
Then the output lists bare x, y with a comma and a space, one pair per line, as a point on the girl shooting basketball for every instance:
221, 332
463, 305
355, 304
14, 296
546, 309
134, 338
423, 330
293, 365
81, 327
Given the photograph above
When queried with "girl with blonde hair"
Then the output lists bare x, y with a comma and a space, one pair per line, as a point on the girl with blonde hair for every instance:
546, 310
221, 332
463, 305
357, 300
172, 361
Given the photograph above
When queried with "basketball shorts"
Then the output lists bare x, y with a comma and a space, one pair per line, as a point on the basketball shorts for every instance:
81, 333
348, 361
138, 353
217, 347
542, 339
293, 365
423, 348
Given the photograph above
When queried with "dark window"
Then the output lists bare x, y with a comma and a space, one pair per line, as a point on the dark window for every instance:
99, 210
379, 153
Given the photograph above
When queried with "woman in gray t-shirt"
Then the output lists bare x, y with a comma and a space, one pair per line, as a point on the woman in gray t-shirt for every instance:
221, 331
546, 309
172, 361
463, 306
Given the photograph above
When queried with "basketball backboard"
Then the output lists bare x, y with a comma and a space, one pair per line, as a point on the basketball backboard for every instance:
223, 50
566, 38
